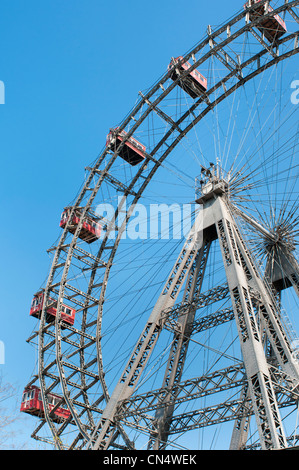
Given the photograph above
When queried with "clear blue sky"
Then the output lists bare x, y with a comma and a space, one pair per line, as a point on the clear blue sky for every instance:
71, 69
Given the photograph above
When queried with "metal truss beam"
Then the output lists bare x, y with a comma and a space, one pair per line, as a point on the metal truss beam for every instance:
205, 323
199, 301
224, 57
241, 409
191, 389
114, 182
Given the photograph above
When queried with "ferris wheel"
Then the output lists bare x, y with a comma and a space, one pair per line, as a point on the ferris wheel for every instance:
168, 318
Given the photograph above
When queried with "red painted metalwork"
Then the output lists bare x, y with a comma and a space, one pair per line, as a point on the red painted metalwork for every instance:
32, 404
91, 229
132, 152
195, 84
272, 27
67, 313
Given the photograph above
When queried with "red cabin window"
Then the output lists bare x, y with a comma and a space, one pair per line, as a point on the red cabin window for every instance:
273, 27
91, 228
195, 84
132, 152
32, 404
67, 313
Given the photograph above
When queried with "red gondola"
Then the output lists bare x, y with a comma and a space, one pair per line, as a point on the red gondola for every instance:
272, 27
132, 152
67, 313
91, 229
33, 405
195, 84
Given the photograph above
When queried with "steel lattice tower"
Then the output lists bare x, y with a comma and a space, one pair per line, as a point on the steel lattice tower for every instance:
257, 315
